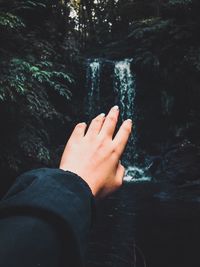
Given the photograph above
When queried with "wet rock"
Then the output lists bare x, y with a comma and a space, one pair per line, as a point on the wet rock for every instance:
180, 164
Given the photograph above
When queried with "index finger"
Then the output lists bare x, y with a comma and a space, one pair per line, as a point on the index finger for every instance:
122, 136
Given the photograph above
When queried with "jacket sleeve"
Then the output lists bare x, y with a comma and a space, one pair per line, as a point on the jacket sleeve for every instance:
45, 220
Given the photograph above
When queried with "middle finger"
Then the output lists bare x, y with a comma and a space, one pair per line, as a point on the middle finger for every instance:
110, 122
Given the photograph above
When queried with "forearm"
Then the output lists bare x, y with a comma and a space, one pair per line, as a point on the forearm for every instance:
53, 199
29, 241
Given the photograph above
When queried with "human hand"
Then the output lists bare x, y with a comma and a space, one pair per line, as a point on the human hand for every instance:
95, 155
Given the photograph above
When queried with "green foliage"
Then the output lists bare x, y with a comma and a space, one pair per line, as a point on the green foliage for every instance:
33, 145
10, 21
36, 84
148, 27
193, 58
26, 5
21, 76
179, 2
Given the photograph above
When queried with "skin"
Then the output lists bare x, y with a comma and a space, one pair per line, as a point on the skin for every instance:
95, 155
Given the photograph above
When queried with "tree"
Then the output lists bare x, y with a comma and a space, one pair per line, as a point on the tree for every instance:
36, 84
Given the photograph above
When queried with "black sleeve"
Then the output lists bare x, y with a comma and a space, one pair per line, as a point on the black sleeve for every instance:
45, 220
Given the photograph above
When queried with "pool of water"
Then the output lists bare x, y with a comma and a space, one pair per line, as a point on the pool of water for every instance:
147, 224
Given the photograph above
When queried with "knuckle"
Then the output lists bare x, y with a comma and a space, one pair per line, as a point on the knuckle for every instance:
96, 120
101, 139
102, 145
112, 119
115, 151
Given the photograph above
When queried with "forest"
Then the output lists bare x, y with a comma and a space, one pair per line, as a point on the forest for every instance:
44, 48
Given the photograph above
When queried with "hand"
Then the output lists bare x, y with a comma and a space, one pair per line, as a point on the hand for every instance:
95, 155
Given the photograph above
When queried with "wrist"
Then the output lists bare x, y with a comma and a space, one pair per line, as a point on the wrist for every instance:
87, 181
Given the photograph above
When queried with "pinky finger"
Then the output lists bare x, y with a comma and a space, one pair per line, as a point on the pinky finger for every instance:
78, 132
122, 137
119, 175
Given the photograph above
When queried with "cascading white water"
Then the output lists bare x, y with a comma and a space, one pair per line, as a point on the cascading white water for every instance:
93, 83
125, 87
124, 83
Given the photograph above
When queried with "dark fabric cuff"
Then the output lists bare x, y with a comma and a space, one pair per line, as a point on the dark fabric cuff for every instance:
53, 193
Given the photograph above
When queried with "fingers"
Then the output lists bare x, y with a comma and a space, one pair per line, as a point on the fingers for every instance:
96, 125
122, 136
110, 122
78, 132
119, 175
105, 127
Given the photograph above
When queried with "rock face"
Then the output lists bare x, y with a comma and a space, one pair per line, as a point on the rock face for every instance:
180, 164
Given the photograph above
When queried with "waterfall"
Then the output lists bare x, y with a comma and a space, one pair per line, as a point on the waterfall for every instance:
125, 86
93, 83
124, 83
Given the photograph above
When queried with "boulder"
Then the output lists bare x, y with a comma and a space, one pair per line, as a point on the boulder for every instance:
180, 164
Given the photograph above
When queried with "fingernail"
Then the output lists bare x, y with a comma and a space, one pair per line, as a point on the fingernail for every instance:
102, 115
116, 107
130, 121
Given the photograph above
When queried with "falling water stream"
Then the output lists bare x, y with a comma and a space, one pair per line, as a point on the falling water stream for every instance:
93, 83
125, 86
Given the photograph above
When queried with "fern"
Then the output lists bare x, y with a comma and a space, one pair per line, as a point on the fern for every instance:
33, 146
10, 21
28, 5
35, 85
22, 75
179, 2
193, 58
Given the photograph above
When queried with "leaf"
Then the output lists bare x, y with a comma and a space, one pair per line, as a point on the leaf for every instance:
10, 21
